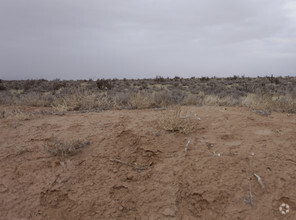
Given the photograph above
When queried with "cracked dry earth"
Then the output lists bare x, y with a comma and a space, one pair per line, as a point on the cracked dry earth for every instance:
133, 169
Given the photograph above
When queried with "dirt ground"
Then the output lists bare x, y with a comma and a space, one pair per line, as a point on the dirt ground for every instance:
134, 169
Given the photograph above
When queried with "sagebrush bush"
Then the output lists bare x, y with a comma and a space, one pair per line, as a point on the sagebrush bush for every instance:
104, 84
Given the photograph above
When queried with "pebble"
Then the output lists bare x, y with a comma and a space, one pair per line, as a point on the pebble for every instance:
171, 211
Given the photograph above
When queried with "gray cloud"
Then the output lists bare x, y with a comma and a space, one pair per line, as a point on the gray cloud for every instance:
144, 38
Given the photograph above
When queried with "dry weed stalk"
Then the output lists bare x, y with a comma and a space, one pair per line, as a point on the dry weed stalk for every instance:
250, 199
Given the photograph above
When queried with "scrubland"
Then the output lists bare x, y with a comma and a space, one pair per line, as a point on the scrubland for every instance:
198, 148
265, 93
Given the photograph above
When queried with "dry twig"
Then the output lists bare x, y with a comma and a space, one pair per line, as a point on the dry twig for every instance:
250, 199
259, 180
187, 145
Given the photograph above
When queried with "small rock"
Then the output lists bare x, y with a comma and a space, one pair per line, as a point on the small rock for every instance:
115, 170
209, 145
3, 188
120, 208
156, 134
129, 176
170, 211
252, 154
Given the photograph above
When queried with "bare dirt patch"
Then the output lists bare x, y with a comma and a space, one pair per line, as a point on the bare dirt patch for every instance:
133, 168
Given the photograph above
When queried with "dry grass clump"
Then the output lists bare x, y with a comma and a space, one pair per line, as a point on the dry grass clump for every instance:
82, 101
76, 101
172, 121
215, 100
14, 113
2, 112
271, 103
60, 108
140, 100
59, 147
33, 99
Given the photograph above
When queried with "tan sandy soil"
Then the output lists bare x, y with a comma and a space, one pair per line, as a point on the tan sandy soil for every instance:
155, 178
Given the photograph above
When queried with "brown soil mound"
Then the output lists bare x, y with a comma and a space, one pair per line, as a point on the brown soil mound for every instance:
133, 169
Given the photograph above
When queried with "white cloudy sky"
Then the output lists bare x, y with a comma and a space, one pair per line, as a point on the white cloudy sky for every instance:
81, 39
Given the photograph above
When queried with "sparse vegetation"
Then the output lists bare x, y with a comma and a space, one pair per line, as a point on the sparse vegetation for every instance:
266, 93
64, 148
14, 113
173, 121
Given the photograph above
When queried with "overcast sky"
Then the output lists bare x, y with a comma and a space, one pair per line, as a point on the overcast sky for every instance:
82, 39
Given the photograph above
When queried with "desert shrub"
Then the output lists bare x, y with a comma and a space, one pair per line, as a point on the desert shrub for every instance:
235, 77
273, 79
140, 100
14, 113
286, 104
33, 99
159, 79
60, 108
271, 103
79, 100
59, 147
176, 78
104, 84
2, 87
190, 99
57, 84
28, 84
105, 102
163, 98
2, 112
204, 79
122, 100
172, 121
